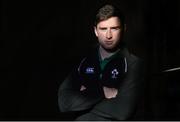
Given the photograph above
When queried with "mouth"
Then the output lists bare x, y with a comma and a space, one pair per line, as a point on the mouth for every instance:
108, 42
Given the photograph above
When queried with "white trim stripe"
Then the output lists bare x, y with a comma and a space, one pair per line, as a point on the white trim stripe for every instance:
81, 64
125, 64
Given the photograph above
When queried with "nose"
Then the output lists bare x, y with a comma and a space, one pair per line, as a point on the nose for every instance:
108, 34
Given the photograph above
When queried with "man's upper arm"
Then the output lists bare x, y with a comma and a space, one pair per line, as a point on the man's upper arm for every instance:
121, 107
70, 98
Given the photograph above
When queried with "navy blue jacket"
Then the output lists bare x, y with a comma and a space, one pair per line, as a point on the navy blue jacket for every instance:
124, 72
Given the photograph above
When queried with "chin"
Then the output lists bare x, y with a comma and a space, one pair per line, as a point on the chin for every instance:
110, 49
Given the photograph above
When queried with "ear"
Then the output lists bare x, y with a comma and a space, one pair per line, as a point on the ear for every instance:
95, 31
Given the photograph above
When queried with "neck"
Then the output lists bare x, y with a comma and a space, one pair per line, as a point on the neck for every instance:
106, 54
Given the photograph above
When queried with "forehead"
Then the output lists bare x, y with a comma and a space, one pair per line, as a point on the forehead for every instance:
112, 21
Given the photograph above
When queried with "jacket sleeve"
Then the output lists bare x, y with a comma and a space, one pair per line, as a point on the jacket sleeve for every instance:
70, 98
123, 106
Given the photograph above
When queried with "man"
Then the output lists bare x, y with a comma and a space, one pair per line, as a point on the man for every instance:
107, 83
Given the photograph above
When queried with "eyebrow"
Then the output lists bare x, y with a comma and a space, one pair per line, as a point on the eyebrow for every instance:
102, 27
114, 27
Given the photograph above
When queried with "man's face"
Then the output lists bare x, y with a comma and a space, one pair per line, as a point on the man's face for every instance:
109, 33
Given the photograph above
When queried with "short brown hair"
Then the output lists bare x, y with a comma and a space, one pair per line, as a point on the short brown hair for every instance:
108, 11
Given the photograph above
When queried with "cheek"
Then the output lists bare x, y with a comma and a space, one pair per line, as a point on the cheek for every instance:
118, 35
101, 35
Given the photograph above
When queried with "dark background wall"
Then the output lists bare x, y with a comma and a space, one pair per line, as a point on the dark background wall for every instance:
41, 41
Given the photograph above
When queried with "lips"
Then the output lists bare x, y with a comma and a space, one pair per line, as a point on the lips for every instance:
108, 42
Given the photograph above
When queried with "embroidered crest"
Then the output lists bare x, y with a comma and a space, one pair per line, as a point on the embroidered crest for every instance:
114, 73
90, 70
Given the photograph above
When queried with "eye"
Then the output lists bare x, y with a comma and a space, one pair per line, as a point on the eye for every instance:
102, 28
115, 28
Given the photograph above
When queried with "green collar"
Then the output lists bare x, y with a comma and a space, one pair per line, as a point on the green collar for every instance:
106, 60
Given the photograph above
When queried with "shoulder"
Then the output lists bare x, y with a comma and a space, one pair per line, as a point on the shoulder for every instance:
90, 59
133, 61
90, 54
130, 57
